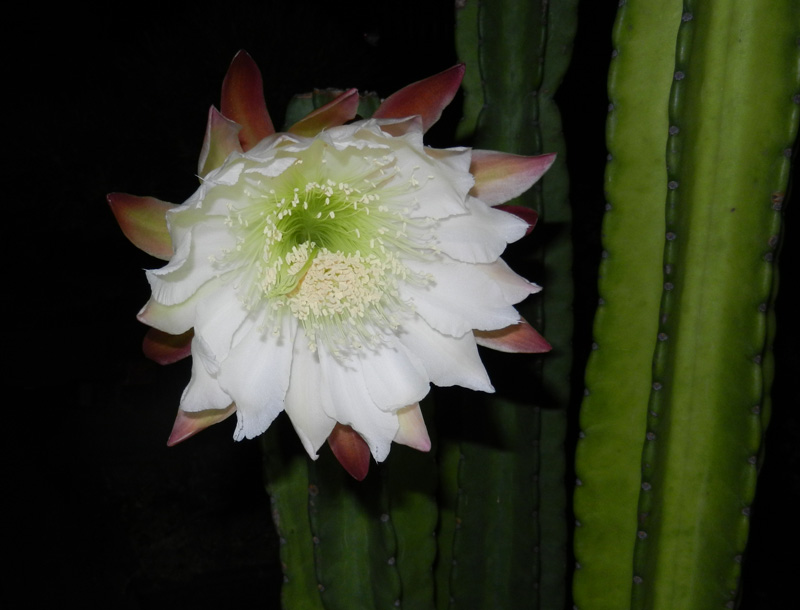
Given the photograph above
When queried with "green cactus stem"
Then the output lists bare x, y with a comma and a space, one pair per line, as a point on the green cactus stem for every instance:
355, 548
503, 532
286, 473
672, 421
613, 413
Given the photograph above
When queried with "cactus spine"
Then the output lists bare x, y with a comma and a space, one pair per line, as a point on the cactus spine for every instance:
672, 421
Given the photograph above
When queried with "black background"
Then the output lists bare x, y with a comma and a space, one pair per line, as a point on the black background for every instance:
103, 513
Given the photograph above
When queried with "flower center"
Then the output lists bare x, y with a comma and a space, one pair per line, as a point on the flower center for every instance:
326, 250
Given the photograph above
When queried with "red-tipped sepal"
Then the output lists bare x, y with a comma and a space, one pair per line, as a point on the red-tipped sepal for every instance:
222, 138
412, 432
499, 177
188, 424
337, 112
143, 220
165, 348
351, 450
243, 100
426, 98
519, 338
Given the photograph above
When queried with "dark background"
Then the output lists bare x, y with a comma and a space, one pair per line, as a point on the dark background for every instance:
103, 513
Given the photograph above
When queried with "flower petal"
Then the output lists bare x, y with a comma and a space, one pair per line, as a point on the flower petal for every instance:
460, 299
516, 338
400, 127
427, 97
348, 401
500, 177
351, 451
203, 391
243, 100
221, 139
394, 376
480, 236
514, 287
188, 424
304, 398
256, 375
448, 360
529, 215
175, 319
165, 348
336, 112
189, 269
442, 177
413, 432
143, 221
219, 316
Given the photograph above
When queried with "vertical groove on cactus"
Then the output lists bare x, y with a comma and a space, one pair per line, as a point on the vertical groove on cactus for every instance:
355, 551
494, 550
448, 455
411, 483
286, 474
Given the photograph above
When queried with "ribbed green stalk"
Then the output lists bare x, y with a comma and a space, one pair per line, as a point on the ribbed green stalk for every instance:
494, 546
503, 522
731, 110
614, 410
411, 490
448, 454
732, 113
286, 473
355, 548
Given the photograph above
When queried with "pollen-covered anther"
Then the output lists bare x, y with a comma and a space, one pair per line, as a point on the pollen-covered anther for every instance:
340, 294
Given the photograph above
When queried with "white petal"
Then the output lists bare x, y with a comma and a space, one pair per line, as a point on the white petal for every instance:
256, 375
457, 158
360, 135
514, 287
304, 398
448, 360
203, 391
218, 317
348, 401
395, 377
442, 189
274, 168
461, 299
175, 319
190, 268
267, 147
228, 173
480, 236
